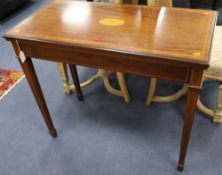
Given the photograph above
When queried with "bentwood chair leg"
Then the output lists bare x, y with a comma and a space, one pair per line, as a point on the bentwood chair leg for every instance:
75, 78
204, 108
105, 76
153, 83
123, 87
62, 67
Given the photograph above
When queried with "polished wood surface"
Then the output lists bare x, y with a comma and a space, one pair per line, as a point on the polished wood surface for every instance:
30, 74
163, 32
162, 43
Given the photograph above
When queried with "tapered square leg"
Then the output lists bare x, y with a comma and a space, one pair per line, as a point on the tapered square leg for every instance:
191, 103
75, 78
31, 76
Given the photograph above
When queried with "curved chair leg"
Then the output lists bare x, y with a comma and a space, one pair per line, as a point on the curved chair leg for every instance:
153, 83
216, 115
152, 98
123, 87
62, 67
123, 92
100, 74
87, 83
204, 109
171, 98
105, 76
218, 112
68, 88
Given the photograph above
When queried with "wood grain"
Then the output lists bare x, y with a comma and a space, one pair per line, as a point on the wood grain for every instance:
163, 32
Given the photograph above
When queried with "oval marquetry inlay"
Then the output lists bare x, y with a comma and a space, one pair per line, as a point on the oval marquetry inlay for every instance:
111, 22
197, 54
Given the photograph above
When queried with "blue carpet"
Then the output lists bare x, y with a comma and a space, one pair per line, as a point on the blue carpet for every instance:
102, 135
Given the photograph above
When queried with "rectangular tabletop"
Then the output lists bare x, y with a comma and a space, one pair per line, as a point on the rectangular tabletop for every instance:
168, 43
169, 33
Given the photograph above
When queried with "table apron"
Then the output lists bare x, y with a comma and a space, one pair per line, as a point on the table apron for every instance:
109, 60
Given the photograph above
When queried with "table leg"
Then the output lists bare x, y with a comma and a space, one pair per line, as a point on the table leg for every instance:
194, 86
191, 103
31, 76
75, 78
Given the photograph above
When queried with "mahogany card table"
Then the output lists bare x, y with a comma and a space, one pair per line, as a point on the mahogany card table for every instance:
166, 43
